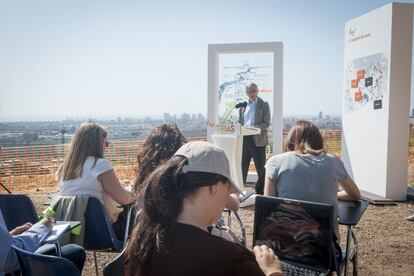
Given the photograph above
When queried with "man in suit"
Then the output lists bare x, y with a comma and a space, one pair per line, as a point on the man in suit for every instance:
255, 114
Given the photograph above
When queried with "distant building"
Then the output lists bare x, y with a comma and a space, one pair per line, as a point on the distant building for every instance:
168, 118
200, 117
320, 117
185, 117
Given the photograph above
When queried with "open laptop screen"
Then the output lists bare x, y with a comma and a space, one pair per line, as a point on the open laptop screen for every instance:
297, 231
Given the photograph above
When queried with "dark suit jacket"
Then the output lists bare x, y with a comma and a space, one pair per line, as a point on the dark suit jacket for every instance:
261, 120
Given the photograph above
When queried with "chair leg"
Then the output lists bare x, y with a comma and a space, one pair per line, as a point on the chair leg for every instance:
96, 264
348, 240
355, 265
355, 257
126, 234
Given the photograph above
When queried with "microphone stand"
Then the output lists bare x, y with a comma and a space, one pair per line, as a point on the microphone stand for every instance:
227, 115
239, 105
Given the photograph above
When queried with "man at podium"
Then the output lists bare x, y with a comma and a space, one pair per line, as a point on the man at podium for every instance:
256, 113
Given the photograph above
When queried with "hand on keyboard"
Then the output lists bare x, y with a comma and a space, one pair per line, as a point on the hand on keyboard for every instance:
267, 260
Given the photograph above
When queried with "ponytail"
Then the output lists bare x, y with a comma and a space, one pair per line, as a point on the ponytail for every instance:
161, 202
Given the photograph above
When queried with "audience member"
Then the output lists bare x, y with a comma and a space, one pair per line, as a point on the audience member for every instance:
85, 171
307, 172
28, 237
179, 200
160, 145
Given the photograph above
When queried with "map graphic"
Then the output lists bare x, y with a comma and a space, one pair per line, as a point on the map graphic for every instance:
235, 72
365, 82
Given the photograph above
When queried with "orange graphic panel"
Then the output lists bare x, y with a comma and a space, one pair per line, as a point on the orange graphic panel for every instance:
358, 96
361, 74
354, 84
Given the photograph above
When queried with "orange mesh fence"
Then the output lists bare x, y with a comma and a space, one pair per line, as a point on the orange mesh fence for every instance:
33, 168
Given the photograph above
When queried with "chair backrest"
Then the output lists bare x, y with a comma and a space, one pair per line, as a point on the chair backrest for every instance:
116, 267
98, 230
38, 264
17, 210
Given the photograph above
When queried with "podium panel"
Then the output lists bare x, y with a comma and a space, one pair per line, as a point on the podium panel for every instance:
232, 145
229, 137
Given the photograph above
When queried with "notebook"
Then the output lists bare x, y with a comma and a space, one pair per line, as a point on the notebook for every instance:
299, 232
57, 231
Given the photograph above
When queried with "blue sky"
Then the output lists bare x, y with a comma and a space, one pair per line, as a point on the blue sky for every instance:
138, 58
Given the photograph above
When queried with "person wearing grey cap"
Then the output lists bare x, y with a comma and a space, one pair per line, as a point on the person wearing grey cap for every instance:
179, 200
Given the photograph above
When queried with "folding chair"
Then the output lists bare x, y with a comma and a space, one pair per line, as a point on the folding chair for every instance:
17, 209
116, 267
99, 235
38, 264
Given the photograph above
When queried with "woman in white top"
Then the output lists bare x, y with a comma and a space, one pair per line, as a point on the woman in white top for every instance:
85, 172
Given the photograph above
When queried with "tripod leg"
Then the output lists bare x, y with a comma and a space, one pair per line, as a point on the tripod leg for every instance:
5, 188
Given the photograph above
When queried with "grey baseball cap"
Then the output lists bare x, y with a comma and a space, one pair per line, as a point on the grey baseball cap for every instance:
206, 157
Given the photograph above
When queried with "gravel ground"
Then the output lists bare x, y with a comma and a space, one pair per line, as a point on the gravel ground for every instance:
386, 239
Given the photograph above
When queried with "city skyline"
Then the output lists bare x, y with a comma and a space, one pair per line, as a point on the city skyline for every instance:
157, 117
141, 59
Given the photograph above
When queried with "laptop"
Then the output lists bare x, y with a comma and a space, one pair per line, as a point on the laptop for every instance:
299, 232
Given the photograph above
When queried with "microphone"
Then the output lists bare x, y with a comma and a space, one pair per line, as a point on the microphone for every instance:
243, 104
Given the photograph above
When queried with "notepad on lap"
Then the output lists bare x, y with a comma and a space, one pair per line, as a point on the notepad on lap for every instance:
57, 231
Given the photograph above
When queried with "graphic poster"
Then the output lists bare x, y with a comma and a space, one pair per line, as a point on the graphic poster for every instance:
235, 72
366, 83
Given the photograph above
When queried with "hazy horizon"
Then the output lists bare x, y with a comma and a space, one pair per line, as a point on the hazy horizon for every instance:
85, 59
17, 119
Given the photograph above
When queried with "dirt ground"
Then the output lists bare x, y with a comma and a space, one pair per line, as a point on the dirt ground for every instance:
385, 238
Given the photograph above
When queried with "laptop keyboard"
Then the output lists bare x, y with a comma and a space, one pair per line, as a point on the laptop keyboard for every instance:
291, 270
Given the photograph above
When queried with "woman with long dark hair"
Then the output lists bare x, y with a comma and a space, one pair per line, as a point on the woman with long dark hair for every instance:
306, 172
179, 200
160, 145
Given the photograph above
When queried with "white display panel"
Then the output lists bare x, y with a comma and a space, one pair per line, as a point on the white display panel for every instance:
376, 89
235, 72
231, 67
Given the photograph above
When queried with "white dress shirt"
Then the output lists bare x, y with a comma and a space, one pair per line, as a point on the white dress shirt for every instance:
249, 113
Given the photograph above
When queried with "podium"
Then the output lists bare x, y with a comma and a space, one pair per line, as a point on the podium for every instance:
229, 137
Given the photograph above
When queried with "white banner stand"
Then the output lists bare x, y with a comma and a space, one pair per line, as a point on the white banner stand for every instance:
215, 51
377, 76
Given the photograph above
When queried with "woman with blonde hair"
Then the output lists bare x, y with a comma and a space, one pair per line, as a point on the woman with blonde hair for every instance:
85, 171
306, 172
